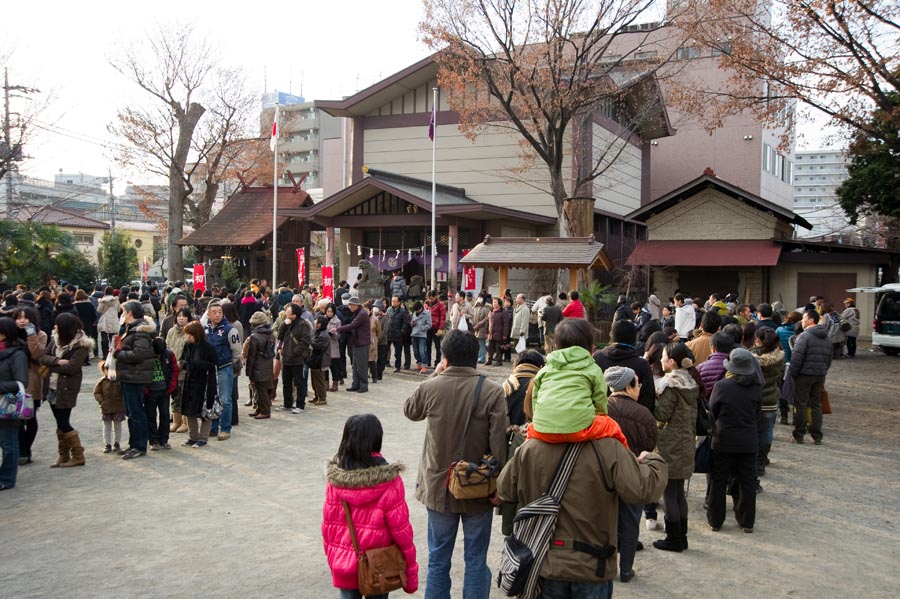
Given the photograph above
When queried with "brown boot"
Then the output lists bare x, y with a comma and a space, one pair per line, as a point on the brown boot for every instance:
63, 449
176, 422
182, 423
76, 448
333, 387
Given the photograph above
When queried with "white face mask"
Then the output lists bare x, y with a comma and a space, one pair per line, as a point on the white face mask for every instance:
345, 302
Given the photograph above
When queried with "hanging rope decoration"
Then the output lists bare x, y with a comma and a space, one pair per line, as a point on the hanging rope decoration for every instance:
348, 249
362, 250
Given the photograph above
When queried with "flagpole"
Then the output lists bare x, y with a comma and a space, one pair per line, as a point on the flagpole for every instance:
275, 133
434, 284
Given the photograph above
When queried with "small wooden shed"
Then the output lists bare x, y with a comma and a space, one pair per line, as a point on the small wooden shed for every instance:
572, 253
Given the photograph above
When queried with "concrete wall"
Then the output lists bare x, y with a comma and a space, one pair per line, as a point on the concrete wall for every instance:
713, 215
490, 168
618, 189
784, 282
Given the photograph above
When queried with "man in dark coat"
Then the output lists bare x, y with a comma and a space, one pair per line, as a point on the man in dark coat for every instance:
623, 353
810, 361
360, 338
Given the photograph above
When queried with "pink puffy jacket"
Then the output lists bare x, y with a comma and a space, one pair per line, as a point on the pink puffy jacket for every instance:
380, 515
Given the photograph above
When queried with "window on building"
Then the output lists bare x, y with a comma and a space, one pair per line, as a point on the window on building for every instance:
779, 166
765, 165
687, 53
646, 55
84, 239
722, 49
613, 58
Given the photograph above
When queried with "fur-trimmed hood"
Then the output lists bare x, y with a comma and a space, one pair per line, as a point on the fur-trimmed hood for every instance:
366, 477
769, 358
148, 326
108, 301
80, 340
677, 379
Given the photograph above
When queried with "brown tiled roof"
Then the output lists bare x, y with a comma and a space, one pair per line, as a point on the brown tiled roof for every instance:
539, 252
246, 218
51, 215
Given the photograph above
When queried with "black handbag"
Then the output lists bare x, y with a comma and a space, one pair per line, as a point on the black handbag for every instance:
703, 457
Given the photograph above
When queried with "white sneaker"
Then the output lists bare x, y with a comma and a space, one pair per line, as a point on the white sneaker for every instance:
296, 411
651, 524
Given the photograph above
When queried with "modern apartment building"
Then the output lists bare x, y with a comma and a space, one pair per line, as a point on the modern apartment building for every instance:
309, 142
817, 175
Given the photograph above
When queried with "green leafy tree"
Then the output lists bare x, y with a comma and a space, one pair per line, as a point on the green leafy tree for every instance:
230, 274
31, 253
873, 185
118, 258
77, 268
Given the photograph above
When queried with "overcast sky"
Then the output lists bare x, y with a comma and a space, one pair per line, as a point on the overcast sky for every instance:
329, 49
326, 49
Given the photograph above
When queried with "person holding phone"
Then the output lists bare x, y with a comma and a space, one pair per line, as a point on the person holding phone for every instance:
29, 323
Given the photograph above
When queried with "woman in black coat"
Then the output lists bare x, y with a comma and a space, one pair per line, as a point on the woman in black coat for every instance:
13, 371
87, 313
735, 408
199, 362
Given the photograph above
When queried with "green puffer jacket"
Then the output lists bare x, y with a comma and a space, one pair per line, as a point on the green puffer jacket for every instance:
772, 364
568, 392
676, 414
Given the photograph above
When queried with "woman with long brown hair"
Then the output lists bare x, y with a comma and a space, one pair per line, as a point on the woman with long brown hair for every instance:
29, 322
67, 352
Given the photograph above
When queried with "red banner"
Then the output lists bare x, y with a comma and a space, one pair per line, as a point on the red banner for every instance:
469, 281
328, 282
301, 266
199, 277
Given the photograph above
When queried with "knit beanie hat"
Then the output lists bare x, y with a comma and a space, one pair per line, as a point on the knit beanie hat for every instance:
258, 318
618, 377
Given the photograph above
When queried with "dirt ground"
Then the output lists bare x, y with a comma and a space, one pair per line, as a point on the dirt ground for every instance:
241, 518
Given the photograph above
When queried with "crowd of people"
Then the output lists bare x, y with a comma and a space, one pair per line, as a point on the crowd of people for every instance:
684, 386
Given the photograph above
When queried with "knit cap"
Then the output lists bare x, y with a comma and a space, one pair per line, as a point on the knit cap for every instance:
618, 377
258, 318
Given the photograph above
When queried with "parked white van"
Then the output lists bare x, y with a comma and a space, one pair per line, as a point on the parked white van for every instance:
886, 326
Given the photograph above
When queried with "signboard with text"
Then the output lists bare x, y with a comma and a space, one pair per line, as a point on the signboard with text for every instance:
200, 277
328, 282
301, 266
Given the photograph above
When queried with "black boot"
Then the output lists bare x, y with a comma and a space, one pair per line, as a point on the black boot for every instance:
784, 417
672, 542
766, 451
684, 543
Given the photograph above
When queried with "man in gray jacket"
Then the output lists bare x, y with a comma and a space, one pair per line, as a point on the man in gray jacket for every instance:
444, 401
810, 361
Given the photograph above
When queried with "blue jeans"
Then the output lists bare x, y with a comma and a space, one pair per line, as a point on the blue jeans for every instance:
133, 395
482, 349
9, 444
225, 380
419, 350
355, 594
629, 528
559, 589
442, 529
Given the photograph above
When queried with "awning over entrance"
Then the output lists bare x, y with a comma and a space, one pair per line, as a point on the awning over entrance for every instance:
573, 253
750, 252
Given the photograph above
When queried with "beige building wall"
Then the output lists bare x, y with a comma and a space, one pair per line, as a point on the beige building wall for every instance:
618, 189
490, 169
711, 214
784, 287
82, 236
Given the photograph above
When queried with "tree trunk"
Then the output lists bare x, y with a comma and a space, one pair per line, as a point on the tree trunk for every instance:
578, 214
187, 122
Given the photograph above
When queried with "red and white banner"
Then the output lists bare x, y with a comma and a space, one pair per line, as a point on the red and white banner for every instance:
273, 141
328, 282
199, 277
472, 278
145, 270
301, 266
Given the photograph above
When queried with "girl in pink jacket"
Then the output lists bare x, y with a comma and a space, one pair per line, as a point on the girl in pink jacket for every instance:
373, 489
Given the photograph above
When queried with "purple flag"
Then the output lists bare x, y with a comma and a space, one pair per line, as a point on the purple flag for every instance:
431, 124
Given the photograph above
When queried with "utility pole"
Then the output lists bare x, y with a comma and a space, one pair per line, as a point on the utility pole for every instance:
112, 205
10, 151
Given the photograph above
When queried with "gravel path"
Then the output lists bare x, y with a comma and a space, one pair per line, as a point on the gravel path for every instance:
241, 518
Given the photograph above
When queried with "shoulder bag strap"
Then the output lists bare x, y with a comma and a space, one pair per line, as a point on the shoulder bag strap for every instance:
564, 471
475, 397
350, 526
